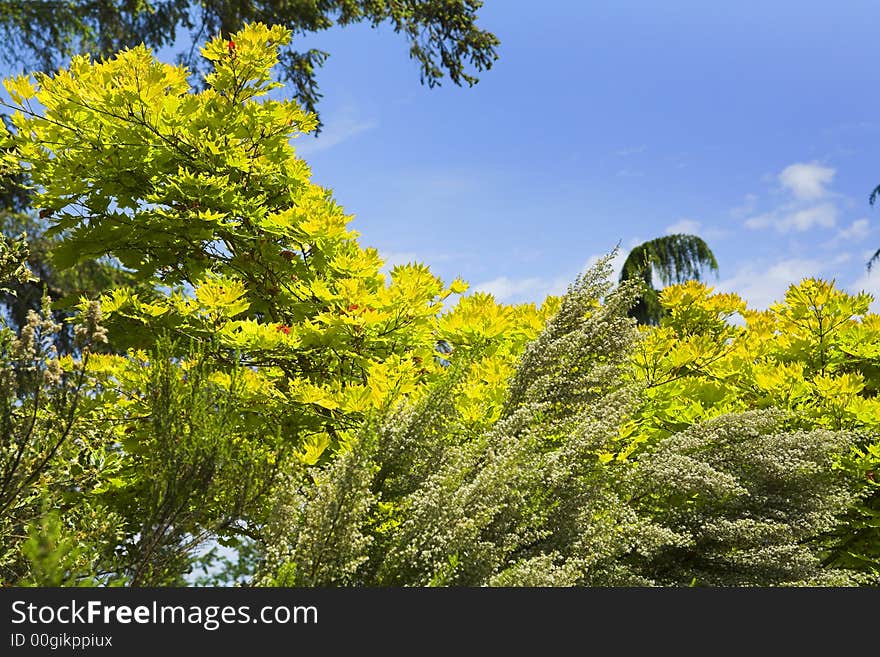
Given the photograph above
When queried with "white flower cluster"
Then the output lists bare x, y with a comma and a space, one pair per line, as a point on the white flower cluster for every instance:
14, 261
88, 330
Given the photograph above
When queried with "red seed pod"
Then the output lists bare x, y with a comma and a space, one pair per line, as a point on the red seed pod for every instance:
283, 328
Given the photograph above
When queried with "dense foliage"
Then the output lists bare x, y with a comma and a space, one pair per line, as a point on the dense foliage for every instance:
237, 261
256, 379
815, 355
425, 498
443, 36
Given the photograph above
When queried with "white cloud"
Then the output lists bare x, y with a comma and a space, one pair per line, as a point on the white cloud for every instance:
761, 284
684, 226
858, 230
787, 219
338, 128
807, 181
537, 288
691, 227
514, 290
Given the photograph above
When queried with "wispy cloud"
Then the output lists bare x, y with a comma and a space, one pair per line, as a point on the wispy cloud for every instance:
858, 128
338, 128
633, 150
869, 282
691, 227
684, 226
857, 230
448, 183
750, 202
394, 258
762, 283
809, 204
536, 288
513, 290
788, 218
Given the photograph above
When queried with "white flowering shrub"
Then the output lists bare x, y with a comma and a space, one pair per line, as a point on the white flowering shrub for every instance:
52, 458
420, 499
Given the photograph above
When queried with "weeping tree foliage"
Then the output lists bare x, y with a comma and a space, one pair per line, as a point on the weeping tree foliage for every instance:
443, 35
674, 259
876, 255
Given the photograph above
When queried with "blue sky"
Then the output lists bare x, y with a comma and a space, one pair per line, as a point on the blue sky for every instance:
754, 125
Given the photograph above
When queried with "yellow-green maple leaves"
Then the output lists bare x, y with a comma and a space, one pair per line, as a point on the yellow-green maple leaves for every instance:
20, 88
199, 192
813, 353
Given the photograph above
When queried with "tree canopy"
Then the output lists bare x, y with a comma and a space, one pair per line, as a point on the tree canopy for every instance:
443, 35
246, 292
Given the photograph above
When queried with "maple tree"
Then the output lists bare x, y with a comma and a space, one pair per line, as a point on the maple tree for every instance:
241, 269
